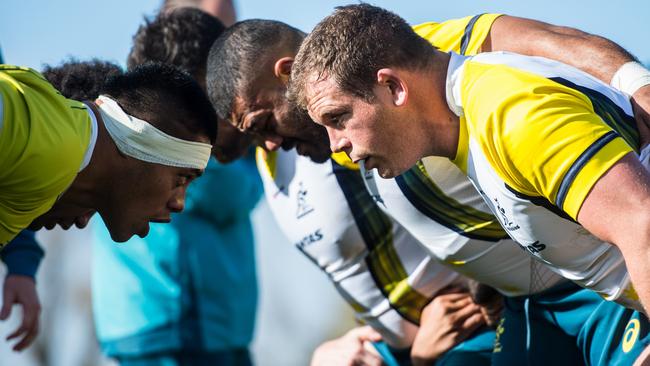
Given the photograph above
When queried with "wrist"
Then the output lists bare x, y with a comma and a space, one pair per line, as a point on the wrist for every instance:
423, 357
630, 77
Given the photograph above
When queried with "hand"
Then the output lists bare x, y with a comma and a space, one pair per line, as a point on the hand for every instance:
490, 300
349, 350
20, 289
449, 319
641, 107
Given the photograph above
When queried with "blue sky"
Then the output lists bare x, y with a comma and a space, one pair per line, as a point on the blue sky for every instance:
36, 32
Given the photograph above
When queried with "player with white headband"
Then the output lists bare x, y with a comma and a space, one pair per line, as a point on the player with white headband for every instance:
129, 156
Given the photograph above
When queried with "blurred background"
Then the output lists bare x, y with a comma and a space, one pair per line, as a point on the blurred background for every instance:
298, 308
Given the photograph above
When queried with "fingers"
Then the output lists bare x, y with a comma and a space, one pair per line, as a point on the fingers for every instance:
443, 305
347, 350
22, 290
453, 302
465, 312
468, 327
29, 337
29, 325
365, 334
368, 359
473, 322
492, 312
373, 356
8, 299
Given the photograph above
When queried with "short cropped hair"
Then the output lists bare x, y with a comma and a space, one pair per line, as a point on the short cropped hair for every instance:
181, 37
160, 94
235, 58
81, 80
351, 45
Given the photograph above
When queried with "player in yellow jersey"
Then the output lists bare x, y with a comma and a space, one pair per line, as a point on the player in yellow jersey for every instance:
547, 145
129, 155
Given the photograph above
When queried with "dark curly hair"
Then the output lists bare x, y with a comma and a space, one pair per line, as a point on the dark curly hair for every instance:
181, 37
167, 97
161, 94
81, 80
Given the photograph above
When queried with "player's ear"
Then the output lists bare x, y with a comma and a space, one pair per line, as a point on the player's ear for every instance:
396, 85
282, 69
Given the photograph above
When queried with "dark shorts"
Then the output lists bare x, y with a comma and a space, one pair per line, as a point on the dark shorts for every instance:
568, 325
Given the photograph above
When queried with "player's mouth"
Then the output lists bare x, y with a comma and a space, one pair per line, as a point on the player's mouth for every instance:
161, 220
365, 162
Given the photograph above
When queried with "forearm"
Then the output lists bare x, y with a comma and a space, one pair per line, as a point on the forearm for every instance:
637, 260
593, 54
615, 210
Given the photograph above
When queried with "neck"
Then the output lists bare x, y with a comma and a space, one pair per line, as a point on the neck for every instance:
441, 124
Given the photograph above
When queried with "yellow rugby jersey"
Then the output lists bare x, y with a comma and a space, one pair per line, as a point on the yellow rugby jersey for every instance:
43, 140
536, 135
384, 273
464, 36
544, 134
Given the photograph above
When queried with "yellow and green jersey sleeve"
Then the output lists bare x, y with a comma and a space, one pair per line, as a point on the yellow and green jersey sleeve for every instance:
541, 137
266, 161
463, 36
43, 139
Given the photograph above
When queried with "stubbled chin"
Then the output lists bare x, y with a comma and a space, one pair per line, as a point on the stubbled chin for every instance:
386, 173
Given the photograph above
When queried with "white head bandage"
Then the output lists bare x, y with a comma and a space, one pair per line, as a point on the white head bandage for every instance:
140, 140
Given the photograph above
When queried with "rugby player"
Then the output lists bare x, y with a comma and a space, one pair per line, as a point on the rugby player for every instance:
515, 150
212, 239
66, 159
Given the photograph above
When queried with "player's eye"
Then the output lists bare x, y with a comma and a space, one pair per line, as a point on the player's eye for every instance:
183, 180
338, 120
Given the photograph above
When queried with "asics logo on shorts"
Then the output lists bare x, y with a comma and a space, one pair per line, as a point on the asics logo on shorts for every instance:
631, 335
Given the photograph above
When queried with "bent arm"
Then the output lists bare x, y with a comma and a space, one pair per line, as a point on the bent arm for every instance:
616, 210
593, 54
